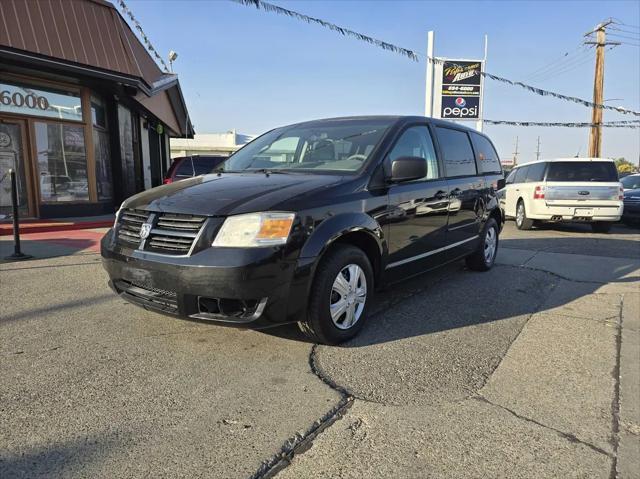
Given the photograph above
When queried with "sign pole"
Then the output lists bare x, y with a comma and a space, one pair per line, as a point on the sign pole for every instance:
428, 108
479, 123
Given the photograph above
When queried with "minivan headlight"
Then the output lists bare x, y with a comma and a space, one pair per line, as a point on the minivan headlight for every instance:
255, 230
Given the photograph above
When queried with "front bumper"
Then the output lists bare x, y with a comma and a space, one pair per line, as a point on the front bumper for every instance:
256, 287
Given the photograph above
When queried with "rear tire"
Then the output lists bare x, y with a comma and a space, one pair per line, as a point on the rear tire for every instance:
343, 283
485, 255
522, 222
601, 226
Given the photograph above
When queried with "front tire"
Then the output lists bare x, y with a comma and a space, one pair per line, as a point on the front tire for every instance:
601, 226
522, 222
340, 296
485, 255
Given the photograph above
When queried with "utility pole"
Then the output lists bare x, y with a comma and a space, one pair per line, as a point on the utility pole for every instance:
595, 135
538, 150
515, 154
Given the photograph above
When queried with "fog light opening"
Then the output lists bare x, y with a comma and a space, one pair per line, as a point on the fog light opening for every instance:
208, 305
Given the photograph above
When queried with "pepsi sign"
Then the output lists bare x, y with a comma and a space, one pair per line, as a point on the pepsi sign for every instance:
460, 108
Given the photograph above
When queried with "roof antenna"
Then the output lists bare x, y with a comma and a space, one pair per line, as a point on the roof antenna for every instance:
578, 154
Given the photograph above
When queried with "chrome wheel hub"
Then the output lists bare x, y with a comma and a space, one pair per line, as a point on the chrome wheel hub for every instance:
520, 214
490, 245
348, 296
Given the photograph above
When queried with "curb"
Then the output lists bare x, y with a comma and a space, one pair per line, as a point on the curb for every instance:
628, 461
26, 228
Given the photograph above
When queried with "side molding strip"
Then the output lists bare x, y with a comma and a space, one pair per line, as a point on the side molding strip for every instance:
435, 251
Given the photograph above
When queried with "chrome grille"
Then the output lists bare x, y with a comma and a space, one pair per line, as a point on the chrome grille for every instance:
174, 233
129, 224
171, 233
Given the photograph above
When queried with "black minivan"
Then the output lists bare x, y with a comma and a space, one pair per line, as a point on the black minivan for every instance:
303, 223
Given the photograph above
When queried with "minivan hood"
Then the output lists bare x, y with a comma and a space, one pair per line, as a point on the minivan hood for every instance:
231, 193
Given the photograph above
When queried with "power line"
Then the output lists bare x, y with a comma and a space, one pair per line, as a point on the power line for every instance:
625, 31
627, 37
561, 65
620, 22
553, 63
566, 68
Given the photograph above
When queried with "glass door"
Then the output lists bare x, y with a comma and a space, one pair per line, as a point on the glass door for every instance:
13, 155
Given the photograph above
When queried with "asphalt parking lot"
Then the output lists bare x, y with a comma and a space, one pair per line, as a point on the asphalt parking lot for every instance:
529, 370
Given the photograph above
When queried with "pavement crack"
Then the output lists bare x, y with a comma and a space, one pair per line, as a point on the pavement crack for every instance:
568, 436
615, 402
300, 443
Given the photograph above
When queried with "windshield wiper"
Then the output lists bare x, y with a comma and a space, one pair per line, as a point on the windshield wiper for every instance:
266, 171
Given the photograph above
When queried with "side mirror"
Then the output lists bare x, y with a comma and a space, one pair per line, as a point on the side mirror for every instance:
407, 168
501, 183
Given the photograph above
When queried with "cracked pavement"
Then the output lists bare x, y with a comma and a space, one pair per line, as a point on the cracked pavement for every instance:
529, 370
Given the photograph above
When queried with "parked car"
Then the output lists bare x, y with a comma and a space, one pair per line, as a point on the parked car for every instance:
303, 223
190, 166
631, 213
631, 182
565, 189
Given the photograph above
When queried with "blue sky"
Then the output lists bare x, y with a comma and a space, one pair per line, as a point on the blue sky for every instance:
251, 70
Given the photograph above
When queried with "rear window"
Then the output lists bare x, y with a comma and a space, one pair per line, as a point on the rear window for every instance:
582, 171
488, 161
184, 168
202, 166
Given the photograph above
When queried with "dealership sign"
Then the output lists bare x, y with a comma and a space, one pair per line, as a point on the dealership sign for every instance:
458, 89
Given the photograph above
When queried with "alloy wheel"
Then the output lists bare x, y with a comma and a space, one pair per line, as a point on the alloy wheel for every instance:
348, 296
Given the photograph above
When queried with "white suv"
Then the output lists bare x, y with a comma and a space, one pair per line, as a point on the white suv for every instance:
566, 189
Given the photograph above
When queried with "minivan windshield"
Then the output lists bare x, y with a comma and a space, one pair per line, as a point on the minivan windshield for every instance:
336, 146
582, 171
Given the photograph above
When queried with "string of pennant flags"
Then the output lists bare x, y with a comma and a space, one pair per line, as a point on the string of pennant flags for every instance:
415, 56
143, 35
612, 124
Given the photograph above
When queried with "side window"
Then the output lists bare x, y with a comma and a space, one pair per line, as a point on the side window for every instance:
521, 174
511, 177
185, 169
457, 152
416, 141
535, 172
488, 161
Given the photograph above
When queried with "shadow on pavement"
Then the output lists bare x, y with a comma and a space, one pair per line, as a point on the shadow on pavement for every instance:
453, 297
31, 313
48, 248
54, 460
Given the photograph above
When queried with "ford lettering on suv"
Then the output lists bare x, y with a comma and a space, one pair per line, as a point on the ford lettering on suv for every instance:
306, 221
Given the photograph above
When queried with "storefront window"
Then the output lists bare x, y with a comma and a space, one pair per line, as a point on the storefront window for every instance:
101, 149
62, 162
125, 125
27, 100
